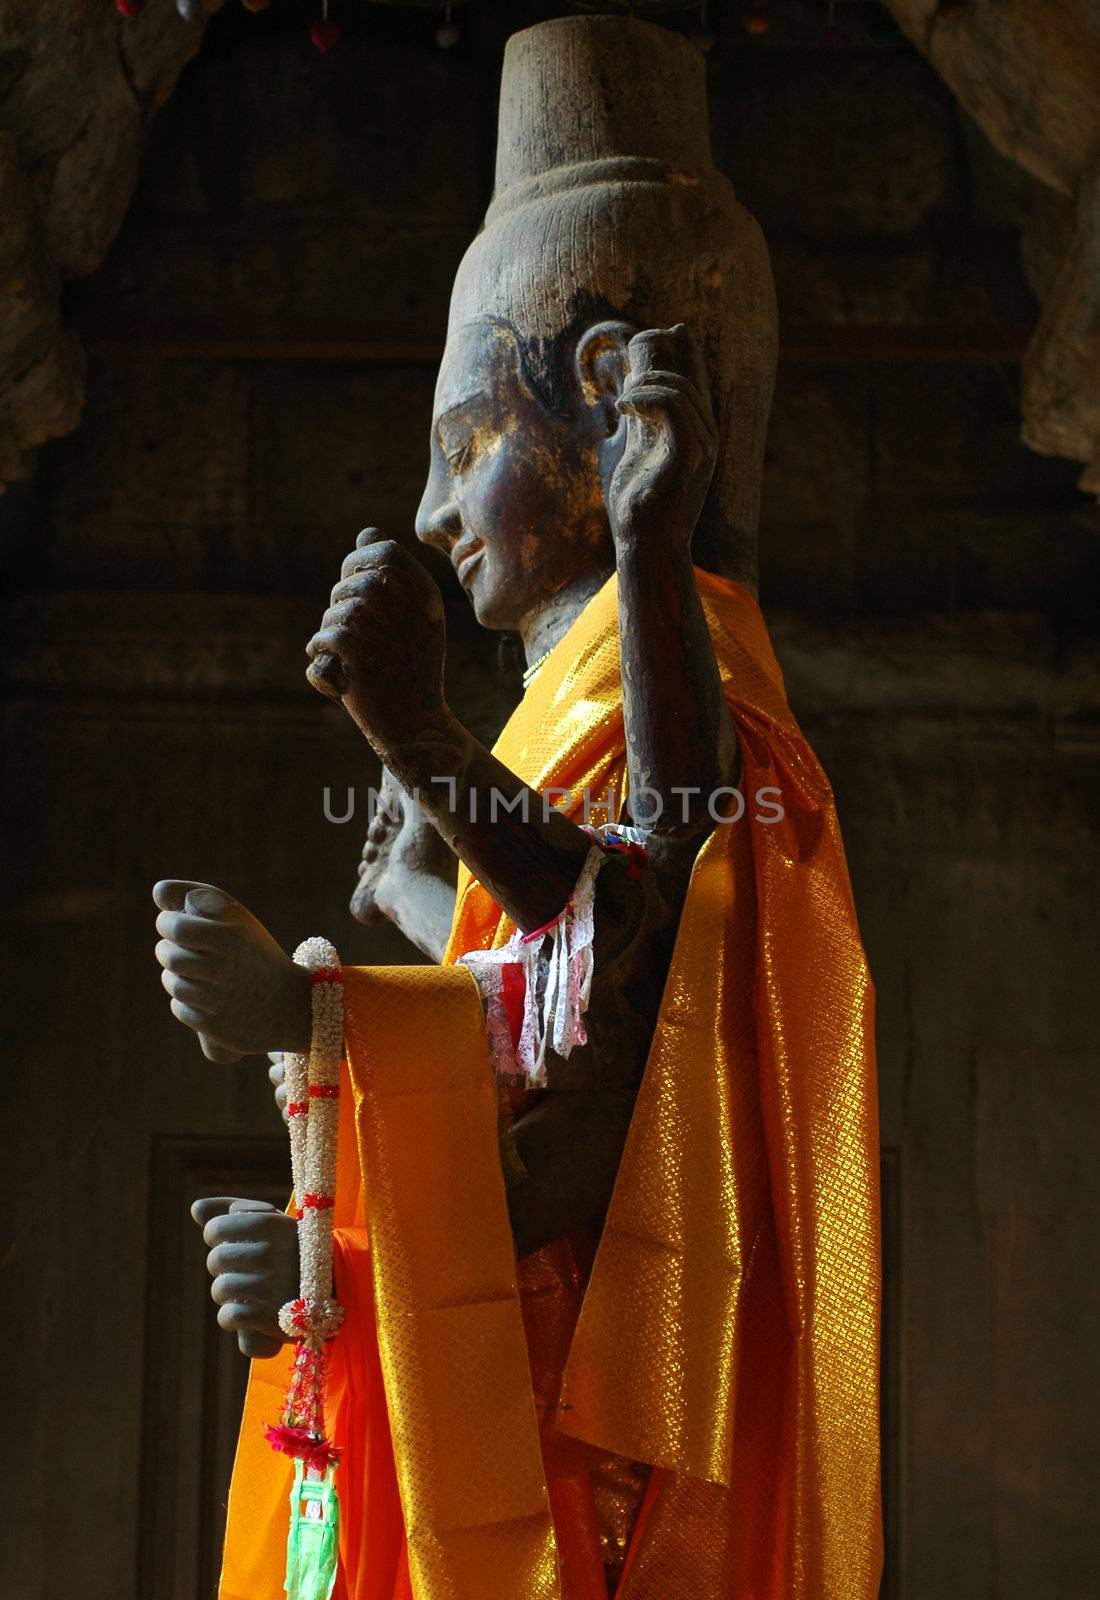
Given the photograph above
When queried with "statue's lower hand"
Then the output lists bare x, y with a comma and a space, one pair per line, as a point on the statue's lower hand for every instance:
381, 644
660, 483
253, 1261
228, 978
277, 1073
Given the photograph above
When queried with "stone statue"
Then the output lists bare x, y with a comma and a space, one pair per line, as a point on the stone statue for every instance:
598, 432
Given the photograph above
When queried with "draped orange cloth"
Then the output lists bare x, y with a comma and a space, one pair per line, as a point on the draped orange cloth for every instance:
726, 1333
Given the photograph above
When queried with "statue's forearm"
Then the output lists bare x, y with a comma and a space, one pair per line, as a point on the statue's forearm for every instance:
422, 911
679, 734
527, 854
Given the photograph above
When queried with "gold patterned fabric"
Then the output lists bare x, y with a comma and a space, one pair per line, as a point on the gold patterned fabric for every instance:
730, 1328
431, 1382
706, 1388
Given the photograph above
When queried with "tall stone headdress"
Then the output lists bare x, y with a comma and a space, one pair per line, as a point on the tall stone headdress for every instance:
607, 203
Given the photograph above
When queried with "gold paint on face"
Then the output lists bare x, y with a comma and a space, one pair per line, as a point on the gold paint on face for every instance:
514, 495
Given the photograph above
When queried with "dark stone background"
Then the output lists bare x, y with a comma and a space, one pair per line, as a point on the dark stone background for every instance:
262, 338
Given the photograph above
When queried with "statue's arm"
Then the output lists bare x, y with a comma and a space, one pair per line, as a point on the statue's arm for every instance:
407, 872
380, 650
526, 853
681, 748
681, 744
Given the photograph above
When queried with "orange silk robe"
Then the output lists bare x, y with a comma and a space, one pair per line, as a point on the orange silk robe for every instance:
727, 1331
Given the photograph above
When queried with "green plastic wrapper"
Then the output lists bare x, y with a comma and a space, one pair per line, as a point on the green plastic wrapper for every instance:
311, 1548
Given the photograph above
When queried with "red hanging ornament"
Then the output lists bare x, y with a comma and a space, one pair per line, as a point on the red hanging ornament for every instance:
324, 32
831, 36
130, 8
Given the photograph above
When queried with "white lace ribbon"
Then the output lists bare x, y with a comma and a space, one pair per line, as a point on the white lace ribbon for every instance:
555, 966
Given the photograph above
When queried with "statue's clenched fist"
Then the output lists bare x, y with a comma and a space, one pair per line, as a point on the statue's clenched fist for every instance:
228, 979
253, 1261
381, 644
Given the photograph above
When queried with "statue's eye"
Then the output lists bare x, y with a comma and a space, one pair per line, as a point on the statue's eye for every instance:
459, 455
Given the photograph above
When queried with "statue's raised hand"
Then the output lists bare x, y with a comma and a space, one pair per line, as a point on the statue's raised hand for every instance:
228, 978
381, 644
660, 483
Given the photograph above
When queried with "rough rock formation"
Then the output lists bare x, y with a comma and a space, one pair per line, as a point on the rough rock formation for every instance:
1028, 71
78, 83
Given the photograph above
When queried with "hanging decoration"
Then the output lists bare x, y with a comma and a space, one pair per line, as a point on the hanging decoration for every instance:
447, 34
701, 34
537, 986
313, 1114
130, 8
325, 33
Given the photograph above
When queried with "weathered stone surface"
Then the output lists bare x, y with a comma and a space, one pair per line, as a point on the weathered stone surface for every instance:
274, 126
245, 647
1061, 375
1027, 70
1029, 73
1045, 239
147, 499
189, 270
392, 281
886, 164
41, 368
364, 435
851, 285
89, 79
82, 83
957, 513
816, 468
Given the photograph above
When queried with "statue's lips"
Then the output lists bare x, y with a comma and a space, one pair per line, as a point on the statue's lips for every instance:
464, 554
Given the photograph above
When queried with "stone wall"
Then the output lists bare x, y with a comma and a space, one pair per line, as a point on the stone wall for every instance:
261, 341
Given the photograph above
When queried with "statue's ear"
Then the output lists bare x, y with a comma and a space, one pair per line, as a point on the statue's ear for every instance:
600, 367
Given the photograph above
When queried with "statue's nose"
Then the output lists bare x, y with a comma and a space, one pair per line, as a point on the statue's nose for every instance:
438, 521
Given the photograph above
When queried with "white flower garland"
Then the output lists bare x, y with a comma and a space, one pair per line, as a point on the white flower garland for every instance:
313, 1115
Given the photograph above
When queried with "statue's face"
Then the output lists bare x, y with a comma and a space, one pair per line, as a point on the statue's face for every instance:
514, 496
